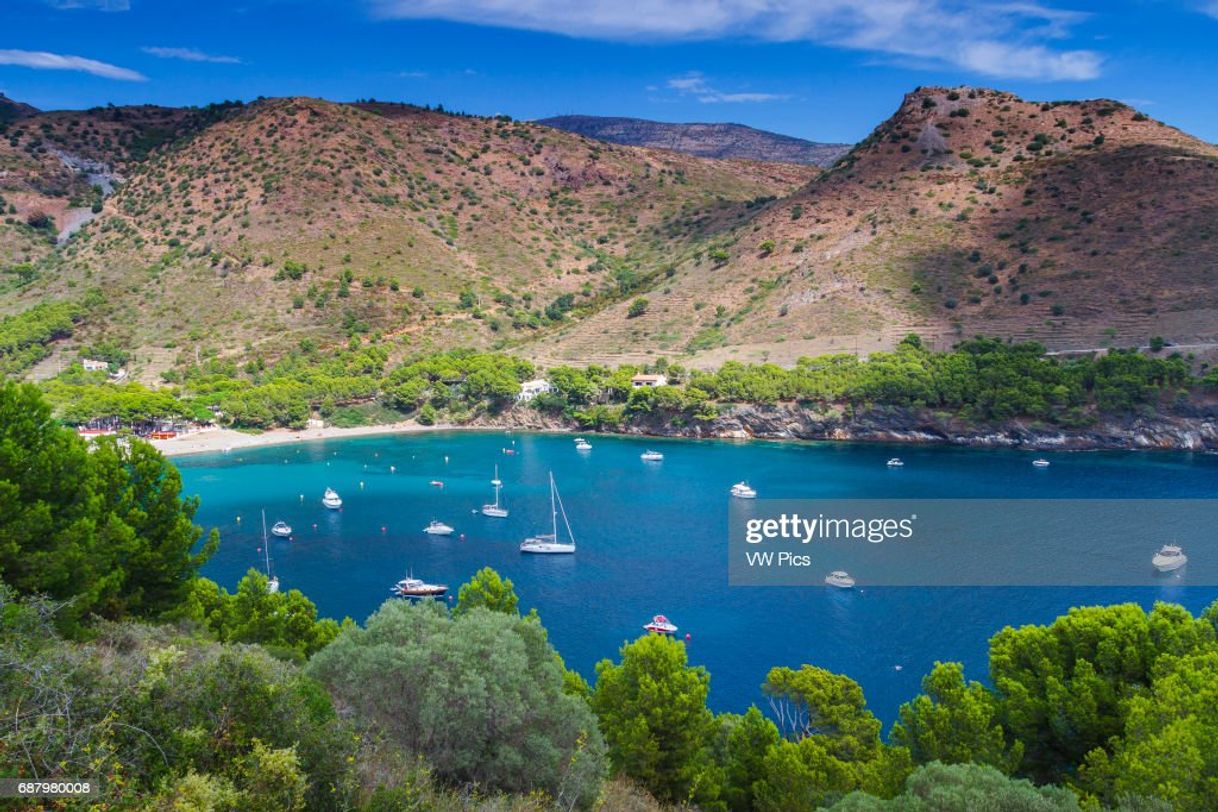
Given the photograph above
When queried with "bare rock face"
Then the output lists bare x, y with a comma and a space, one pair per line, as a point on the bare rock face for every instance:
1184, 432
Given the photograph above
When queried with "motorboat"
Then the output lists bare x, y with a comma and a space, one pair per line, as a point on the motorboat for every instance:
651, 456
495, 510
583, 445
411, 587
896, 462
741, 490
435, 483
840, 579
1169, 558
549, 543
438, 528
1040, 463
331, 499
660, 625
281, 529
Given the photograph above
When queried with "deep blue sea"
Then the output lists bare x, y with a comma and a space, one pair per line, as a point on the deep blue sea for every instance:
652, 539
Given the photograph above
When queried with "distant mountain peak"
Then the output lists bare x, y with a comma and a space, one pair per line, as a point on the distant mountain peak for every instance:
704, 140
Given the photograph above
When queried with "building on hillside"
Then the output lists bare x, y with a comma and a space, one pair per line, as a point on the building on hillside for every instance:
91, 365
533, 388
639, 381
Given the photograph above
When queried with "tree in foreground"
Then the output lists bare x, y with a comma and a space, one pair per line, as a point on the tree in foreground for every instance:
955, 722
107, 529
939, 787
652, 710
488, 590
832, 744
480, 696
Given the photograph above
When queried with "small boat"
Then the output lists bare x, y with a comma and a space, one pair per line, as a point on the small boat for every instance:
281, 529
435, 483
438, 528
411, 587
1040, 463
741, 490
1169, 558
495, 510
660, 625
549, 543
509, 451
651, 456
272, 581
839, 579
583, 445
331, 499
895, 462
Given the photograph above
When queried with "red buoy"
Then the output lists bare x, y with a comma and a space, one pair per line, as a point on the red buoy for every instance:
688, 637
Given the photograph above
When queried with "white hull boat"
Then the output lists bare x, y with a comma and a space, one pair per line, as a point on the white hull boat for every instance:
495, 510
550, 544
839, 579
741, 490
1169, 558
438, 528
281, 529
331, 499
651, 456
660, 625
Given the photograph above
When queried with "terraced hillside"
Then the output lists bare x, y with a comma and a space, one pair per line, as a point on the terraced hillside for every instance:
298, 218
1080, 224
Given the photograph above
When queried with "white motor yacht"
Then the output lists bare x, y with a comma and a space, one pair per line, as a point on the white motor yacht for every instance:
331, 499
1169, 558
741, 490
839, 579
438, 528
651, 456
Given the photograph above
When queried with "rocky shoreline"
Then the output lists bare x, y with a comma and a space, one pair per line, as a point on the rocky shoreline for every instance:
1195, 432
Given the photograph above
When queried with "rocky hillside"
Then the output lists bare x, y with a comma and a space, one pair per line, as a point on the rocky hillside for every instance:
241, 230
1079, 224
703, 140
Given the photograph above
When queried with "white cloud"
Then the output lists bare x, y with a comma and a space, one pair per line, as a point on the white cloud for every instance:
42, 60
412, 74
695, 84
1001, 38
1210, 8
96, 5
190, 55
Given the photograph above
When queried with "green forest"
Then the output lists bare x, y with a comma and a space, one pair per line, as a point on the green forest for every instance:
122, 664
981, 380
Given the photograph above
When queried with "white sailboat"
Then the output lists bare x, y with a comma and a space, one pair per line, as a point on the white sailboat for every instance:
272, 582
549, 543
495, 510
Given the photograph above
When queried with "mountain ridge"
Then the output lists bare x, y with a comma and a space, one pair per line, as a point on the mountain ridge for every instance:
703, 139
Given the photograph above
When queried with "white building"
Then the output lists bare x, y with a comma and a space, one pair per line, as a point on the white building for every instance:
639, 381
94, 366
533, 388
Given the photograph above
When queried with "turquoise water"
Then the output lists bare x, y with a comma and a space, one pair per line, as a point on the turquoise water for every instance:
652, 539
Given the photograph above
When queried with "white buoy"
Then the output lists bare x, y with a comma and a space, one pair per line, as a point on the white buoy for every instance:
393, 469
361, 484
302, 497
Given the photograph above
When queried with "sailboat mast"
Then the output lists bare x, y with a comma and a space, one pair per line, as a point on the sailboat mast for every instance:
266, 547
553, 508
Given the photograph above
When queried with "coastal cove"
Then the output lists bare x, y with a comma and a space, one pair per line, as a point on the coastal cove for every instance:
652, 539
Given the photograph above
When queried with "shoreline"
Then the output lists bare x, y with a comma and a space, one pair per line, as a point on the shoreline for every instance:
218, 440
774, 423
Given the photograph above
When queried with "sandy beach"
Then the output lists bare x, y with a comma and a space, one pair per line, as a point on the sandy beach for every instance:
219, 439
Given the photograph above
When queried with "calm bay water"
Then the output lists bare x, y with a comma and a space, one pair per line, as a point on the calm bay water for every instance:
652, 539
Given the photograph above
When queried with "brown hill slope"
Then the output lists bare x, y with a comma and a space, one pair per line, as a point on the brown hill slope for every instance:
1078, 224
296, 218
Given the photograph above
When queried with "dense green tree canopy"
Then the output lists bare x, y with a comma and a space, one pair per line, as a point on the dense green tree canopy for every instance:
480, 696
652, 710
108, 529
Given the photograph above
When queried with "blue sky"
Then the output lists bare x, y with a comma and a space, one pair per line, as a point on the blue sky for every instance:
822, 69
